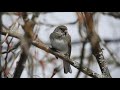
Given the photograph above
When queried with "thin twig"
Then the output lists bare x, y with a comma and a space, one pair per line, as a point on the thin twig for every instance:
8, 46
82, 57
16, 46
88, 65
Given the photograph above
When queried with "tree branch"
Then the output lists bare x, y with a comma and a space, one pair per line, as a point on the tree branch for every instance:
11, 33
82, 57
96, 49
73, 63
25, 45
45, 48
15, 47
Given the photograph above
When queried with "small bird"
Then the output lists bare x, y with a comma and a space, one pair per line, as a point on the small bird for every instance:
61, 42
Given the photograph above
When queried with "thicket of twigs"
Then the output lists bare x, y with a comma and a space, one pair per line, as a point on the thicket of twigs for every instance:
21, 49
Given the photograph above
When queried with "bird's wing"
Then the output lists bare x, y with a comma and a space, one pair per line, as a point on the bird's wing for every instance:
51, 36
69, 45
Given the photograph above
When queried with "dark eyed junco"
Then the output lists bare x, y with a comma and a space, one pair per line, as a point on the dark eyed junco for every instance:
61, 42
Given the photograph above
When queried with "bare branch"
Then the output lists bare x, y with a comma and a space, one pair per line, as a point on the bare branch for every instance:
73, 63
82, 57
44, 47
11, 33
16, 46
25, 45
96, 49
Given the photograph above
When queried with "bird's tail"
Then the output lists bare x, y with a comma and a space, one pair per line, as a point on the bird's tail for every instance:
67, 67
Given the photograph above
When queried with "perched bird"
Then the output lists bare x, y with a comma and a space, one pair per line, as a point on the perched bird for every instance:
61, 42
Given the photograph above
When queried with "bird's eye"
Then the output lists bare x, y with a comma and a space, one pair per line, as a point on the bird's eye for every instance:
61, 28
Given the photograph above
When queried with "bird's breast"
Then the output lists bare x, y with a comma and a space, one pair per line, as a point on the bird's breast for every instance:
60, 45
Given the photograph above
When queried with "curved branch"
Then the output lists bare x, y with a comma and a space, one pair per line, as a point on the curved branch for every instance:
95, 45
44, 47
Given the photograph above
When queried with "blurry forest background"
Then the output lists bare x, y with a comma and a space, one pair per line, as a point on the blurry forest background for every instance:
25, 43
